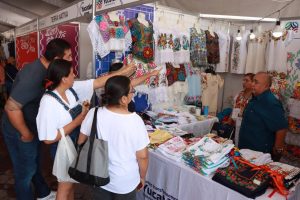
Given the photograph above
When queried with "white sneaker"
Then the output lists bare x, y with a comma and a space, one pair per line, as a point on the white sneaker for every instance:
51, 196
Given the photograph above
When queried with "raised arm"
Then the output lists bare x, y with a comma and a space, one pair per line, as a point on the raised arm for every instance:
126, 70
140, 80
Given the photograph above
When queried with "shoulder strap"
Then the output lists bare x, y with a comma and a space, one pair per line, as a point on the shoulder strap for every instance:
74, 93
92, 138
51, 93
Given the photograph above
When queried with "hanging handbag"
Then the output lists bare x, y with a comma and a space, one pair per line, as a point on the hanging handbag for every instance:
91, 165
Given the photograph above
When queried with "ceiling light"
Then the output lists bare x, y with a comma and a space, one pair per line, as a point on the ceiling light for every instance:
238, 17
239, 36
277, 32
252, 35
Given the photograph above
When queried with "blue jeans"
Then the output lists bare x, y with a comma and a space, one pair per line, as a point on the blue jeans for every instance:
25, 158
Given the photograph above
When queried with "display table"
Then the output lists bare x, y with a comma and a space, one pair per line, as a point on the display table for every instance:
170, 180
199, 128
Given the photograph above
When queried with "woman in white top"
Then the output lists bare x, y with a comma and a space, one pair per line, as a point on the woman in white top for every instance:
127, 140
61, 110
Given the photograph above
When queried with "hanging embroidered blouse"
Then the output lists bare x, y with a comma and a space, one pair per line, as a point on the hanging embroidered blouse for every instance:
142, 40
194, 85
224, 45
181, 48
115, 35
175, 74
276, 54
164, 44
212, 45
198, 51
239, 54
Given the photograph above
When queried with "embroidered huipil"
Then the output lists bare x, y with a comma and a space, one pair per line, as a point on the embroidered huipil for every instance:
198, 51
239, 55
212, 45
142, 40
181, 48
240, 101
194, 85
276, 56
164, 44
256, 60
211, 85
224, 45
112, 35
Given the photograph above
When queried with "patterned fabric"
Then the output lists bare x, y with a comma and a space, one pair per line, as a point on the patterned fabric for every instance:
115, 34
212, 45
243, 179
194, 81
181, 49
142, 40
164, 46
198, 51
236, 55
241, 102
279, 83
175, 74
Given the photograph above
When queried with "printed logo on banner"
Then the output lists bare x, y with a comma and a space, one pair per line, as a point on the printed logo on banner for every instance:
54, 33
154, 193
292, 26
84, 8
98, 4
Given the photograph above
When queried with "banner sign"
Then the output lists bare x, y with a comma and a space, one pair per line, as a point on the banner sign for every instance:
69, 32
26, 49
102, 5
28, 28
67, 14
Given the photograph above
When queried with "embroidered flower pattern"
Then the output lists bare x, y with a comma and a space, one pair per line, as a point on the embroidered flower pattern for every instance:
148, 52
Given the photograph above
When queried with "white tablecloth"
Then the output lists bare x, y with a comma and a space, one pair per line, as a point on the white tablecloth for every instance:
169, 180
199, 127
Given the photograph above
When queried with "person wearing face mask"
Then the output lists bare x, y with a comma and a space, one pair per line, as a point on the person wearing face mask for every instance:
264, 125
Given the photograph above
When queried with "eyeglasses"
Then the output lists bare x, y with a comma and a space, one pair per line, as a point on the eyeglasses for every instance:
132, 90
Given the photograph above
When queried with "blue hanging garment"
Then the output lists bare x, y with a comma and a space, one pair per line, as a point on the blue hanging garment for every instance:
141, 102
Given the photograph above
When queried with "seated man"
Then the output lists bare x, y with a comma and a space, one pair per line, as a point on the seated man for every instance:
264, 125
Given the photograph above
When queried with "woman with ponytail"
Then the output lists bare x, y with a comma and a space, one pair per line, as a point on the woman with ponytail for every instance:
127, 139
63, 108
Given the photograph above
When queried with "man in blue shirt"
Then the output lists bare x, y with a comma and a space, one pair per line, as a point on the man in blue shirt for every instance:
264, 125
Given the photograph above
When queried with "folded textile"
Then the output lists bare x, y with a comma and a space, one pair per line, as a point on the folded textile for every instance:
173, 148
256, 157
159, 136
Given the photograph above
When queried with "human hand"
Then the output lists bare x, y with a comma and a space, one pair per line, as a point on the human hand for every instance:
27, 137
156, 72
129, 68
140, 185
85, 107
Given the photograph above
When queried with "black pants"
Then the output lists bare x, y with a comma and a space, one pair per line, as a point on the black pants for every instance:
101, 194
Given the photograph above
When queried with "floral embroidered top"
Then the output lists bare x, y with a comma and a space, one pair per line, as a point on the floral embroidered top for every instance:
198, 51
142, 40
115, 35
240, 101
212, 45
164, 45
181, 48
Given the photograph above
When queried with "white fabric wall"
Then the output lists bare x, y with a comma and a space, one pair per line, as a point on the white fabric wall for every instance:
85, 50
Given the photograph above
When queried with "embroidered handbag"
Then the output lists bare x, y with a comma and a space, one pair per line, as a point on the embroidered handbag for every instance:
244, 179
91, 165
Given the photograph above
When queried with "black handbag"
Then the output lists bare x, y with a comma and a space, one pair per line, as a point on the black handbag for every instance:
91, 165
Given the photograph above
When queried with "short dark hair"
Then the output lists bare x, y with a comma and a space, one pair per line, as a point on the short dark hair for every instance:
250, 75
58, 69
115, 66
116, 87
56, 48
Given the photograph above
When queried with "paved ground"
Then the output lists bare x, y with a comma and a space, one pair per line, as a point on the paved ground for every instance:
7, 181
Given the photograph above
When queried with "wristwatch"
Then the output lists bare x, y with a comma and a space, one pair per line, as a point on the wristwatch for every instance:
279, 150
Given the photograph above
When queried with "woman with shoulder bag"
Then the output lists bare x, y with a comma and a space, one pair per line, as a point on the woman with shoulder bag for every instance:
62, 110
127, 140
